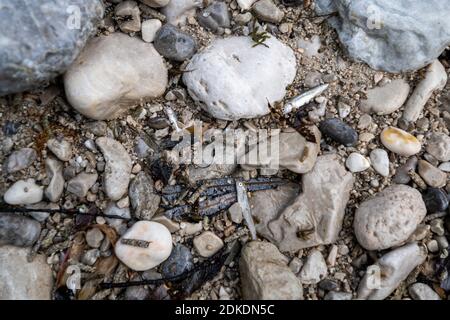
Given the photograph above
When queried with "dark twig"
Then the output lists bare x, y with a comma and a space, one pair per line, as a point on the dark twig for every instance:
218, 258
7, 209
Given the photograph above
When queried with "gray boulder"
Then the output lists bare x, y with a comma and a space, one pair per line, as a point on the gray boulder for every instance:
23, 280
394, 36
40, 39
265, 274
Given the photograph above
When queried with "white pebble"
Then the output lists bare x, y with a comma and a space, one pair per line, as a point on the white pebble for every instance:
380, 161
24, 192
149, 29
141, 258
357, 163
400, 142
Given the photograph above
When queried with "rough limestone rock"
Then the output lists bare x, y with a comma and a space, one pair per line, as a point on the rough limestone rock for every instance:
294, 152
265, 274
232, 79
268, 204
394, 36
389, 271
40, 39
18, 230
318, 211
23, 280
389, 218
112, 74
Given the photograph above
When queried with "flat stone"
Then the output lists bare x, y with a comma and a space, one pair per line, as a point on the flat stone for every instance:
390, 270
380, 32
318, 211
55, 188
18, 230
20, 159
149, 29
294, 153
438, 145
421, 291
100, 92
431, 175
49, 38
386, 99
389, 218
118, 167
24, 192
339, 131
380, 161
235, 64
207, 244
400, 142
269, 204
265, 274
23, 280
158, 250
80, 184
267, 11
174, 44
315, 268
357, 162
144, 200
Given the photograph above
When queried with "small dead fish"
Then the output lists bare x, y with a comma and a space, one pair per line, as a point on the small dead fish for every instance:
242, 198
172, 118
304, 98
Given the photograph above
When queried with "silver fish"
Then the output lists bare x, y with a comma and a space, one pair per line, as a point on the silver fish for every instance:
304, 98
172, 118
242, 198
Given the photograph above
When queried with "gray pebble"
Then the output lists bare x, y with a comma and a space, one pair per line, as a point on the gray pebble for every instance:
20, 159
174, 44
18, 230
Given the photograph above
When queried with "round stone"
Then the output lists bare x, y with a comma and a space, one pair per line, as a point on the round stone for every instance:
152, 245
207, 244
339, 131
357, 163
400, 142
436, 200
389, 218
